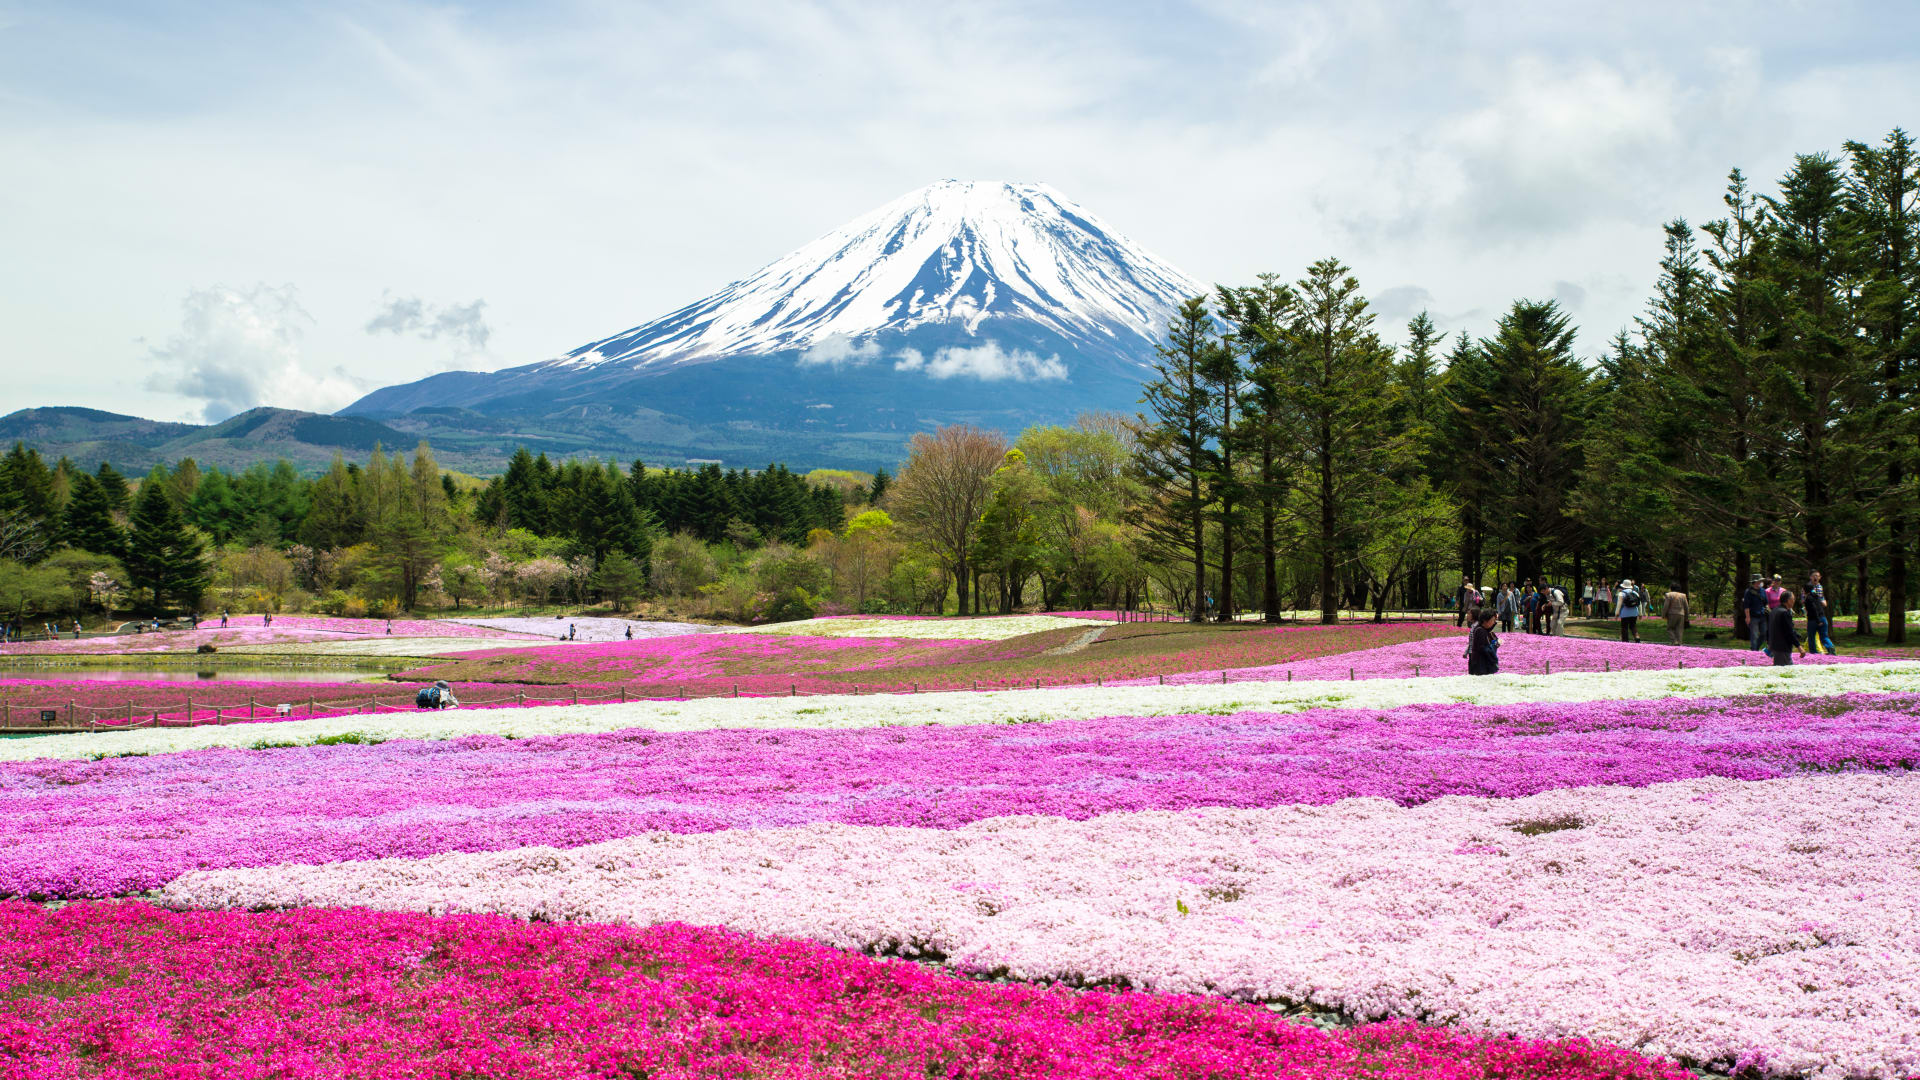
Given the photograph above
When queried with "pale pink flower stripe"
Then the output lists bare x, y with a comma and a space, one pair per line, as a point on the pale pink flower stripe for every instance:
1520, 654
122, 825
366, 627
1739, 923
126, 990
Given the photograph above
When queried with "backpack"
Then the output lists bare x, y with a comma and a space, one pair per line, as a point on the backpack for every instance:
427, 698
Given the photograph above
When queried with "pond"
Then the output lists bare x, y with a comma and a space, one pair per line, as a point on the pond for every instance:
190, 675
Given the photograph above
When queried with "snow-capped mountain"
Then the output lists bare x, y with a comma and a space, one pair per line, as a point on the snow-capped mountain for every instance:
956, 255
996, 303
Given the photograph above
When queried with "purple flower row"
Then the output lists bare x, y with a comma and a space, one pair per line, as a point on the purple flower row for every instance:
126, 824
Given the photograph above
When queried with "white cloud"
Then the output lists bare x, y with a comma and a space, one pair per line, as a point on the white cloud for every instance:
838, 351
988, 363
237, 349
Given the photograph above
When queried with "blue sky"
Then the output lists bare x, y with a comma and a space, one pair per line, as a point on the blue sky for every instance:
207, 206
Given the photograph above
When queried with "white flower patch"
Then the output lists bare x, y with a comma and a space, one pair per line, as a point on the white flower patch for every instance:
990, 707
387, 646
1714, 919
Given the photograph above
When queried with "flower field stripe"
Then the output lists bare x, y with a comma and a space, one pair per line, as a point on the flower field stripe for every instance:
1520, 654
849, 711
130, 990
125, 825
1719, 921
985, 628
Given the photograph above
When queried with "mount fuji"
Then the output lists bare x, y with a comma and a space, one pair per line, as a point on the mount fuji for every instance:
992, 303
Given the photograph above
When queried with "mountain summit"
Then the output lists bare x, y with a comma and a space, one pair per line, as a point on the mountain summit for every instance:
995, 303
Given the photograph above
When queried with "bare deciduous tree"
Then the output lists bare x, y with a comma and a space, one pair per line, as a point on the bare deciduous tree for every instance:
943, 489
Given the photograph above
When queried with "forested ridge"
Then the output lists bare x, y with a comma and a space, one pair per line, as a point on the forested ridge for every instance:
1757, 418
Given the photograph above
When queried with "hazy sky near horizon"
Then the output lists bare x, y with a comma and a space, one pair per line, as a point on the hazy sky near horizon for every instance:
209, 206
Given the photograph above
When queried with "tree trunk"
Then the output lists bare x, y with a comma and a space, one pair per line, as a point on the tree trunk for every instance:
1199, 555
1742, 574
1863, 619
1270, 568
1329, 601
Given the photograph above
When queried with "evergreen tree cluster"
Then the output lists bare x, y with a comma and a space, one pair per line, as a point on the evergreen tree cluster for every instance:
1759, 418
603, 509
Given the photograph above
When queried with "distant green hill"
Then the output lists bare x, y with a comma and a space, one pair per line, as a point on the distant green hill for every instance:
90, 436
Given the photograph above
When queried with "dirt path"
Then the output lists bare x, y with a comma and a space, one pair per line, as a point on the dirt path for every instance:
1085, 639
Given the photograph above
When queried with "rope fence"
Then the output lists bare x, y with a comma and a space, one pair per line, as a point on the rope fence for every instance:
71, 716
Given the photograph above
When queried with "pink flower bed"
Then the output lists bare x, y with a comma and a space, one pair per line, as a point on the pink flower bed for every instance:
1520, 654
121, 825
320, 994
1739, 924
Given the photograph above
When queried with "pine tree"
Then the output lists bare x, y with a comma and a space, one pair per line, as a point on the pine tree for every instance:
1339, 371
114, 486
1534, 412
1173, 457
164, 554
88, 522
878, 489
1883, 196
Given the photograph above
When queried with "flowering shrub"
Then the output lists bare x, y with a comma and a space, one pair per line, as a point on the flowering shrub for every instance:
1079, 702
1736, 923
357, 994
129, 824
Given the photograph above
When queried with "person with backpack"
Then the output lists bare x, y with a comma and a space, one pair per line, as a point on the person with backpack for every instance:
1631, 600
1483, 646
437, 696
1782, 638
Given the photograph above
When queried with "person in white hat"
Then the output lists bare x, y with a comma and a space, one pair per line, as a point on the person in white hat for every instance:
1631, 600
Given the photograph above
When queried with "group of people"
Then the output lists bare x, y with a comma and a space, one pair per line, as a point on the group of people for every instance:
1769, 607
9, 632
1537, 606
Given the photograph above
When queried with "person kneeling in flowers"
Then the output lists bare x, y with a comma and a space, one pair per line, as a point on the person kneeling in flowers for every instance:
437, 696
1483, 646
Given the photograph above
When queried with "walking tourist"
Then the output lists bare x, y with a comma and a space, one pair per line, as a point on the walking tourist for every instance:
1559, 612
1774, 592
223, 619
1631, 601
1819, 619
1483, 646
1602, 601
1782, 637
1460, 602
1507, 606
1754, 602
1675, 609
1586, 601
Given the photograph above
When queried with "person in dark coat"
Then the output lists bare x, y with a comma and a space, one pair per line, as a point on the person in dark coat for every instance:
1754, 600
1819, 619
1782, 636
1483, 646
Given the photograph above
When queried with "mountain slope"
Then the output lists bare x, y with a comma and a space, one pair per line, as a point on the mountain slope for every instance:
999, 304
89, 436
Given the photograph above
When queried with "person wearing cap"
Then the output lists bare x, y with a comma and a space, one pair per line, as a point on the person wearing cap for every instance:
1754, 602
1630, 602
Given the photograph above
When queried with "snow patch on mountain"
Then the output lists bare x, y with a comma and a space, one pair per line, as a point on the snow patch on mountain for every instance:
959, 260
